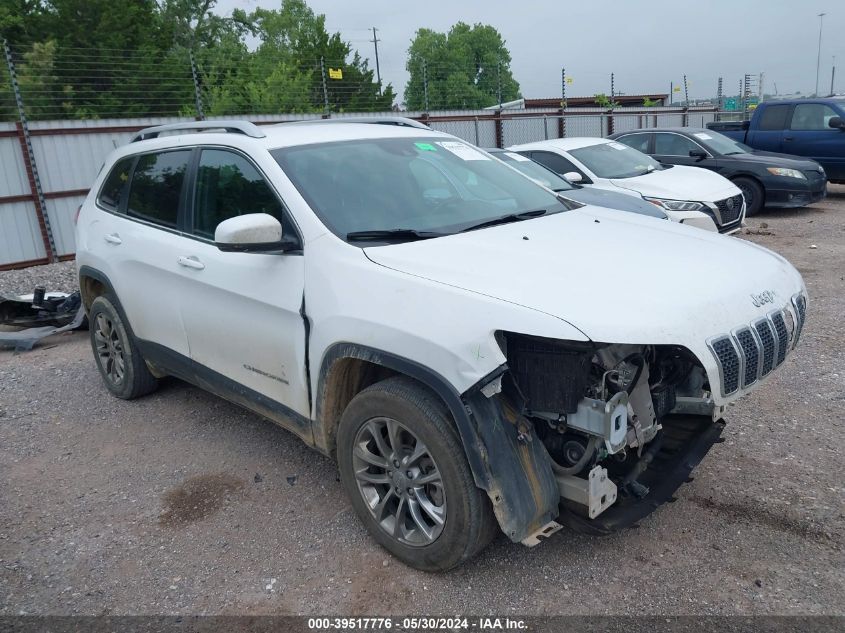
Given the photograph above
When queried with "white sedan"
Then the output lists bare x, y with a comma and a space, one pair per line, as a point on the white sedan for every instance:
606, 164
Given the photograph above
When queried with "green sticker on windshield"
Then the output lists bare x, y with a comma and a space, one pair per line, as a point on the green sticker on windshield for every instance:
426, 147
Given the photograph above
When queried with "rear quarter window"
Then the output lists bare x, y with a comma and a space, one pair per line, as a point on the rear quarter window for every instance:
113, 192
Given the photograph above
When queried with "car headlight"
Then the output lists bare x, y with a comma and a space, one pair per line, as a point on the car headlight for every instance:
676, 205
788, 173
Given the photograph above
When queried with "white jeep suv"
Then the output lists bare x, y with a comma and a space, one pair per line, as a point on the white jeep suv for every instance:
477, 358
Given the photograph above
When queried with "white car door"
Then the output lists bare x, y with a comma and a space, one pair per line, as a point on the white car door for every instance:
139, 240
242, 313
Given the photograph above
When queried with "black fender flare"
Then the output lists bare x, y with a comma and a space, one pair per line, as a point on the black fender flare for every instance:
507, 459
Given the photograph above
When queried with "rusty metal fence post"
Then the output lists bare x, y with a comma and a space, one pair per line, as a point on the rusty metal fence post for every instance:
29, 161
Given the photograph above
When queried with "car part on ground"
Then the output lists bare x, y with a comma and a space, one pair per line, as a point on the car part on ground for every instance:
765, 178
26, 319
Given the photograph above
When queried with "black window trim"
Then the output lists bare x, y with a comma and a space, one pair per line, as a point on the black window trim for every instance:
186, 197
654, 144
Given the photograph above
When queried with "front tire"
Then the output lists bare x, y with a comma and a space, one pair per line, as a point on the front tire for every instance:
120, 363
753, 194
404, 469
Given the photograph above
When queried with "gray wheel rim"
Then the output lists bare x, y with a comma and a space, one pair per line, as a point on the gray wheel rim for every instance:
109, 349
399, 482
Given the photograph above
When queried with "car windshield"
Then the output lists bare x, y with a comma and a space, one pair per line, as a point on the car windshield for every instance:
719, 143
535, 171
615, 160
410, 187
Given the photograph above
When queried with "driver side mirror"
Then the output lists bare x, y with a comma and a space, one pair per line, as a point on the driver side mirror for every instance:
698, 154
573, 176
836, 122
252, 233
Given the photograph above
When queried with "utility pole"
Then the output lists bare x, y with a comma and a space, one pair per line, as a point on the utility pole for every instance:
832, 75
375, 42
819, 56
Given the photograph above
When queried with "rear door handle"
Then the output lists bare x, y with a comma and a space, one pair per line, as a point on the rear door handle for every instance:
190, 262
113, 238
788, 138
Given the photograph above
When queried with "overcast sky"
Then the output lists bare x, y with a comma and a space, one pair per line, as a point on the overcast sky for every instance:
646, 44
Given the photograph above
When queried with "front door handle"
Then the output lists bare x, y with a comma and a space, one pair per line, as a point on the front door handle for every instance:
190, 262
113, 238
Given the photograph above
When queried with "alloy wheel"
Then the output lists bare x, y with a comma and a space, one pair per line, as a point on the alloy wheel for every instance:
399, 481
109, 349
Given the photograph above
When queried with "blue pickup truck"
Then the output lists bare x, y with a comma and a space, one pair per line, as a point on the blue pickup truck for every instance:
814, 128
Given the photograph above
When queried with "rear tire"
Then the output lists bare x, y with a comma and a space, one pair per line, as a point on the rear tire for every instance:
398, 421
753, 194
117, 356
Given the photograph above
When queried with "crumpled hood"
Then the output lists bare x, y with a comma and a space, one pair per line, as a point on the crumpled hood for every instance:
681, 183
616, 277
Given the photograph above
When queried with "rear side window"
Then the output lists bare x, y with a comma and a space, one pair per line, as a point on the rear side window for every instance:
228, 185
114, 188
673, 145
156, 187
774, 117
637, 141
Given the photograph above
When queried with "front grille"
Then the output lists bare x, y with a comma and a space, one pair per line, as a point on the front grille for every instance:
750, 354
783, 336
730, 208
729, 362
800, 303
767, 338
753, 351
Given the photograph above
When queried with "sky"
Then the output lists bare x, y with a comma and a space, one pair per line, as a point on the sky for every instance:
646, 45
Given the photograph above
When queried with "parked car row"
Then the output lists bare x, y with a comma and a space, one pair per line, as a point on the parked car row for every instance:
480, 344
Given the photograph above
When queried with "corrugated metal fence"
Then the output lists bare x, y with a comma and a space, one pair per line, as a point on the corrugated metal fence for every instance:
68, 155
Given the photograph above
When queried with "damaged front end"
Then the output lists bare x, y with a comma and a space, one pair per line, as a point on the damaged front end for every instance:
590, 435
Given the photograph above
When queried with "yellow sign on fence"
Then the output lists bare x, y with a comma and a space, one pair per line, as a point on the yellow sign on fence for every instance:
335, 73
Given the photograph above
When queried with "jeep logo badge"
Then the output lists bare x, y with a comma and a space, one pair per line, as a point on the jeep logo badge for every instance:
767, 296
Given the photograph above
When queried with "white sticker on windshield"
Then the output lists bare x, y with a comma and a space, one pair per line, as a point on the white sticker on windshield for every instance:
462, 150
615, 145
518, 157
703, 136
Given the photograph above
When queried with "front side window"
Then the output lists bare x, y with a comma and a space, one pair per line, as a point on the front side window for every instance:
228, 185
638, 141
535, 171
812, 116
156, 188
615, 160
417, 184
113, 193
555, 162
673, 145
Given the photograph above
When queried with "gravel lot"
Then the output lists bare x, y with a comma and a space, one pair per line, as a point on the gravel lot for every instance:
181, 503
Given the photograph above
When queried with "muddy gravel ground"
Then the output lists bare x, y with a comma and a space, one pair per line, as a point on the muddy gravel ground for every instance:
180, 503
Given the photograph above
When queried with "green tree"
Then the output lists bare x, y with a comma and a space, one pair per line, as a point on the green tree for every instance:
468, 67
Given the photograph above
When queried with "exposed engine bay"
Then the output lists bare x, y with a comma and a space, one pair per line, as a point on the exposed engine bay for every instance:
603, 411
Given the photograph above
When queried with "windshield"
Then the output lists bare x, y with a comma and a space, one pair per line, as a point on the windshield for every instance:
615, 160
427, 185
535, 171
719, 143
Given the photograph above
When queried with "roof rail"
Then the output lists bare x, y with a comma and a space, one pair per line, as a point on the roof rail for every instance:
235, 127
378, 120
